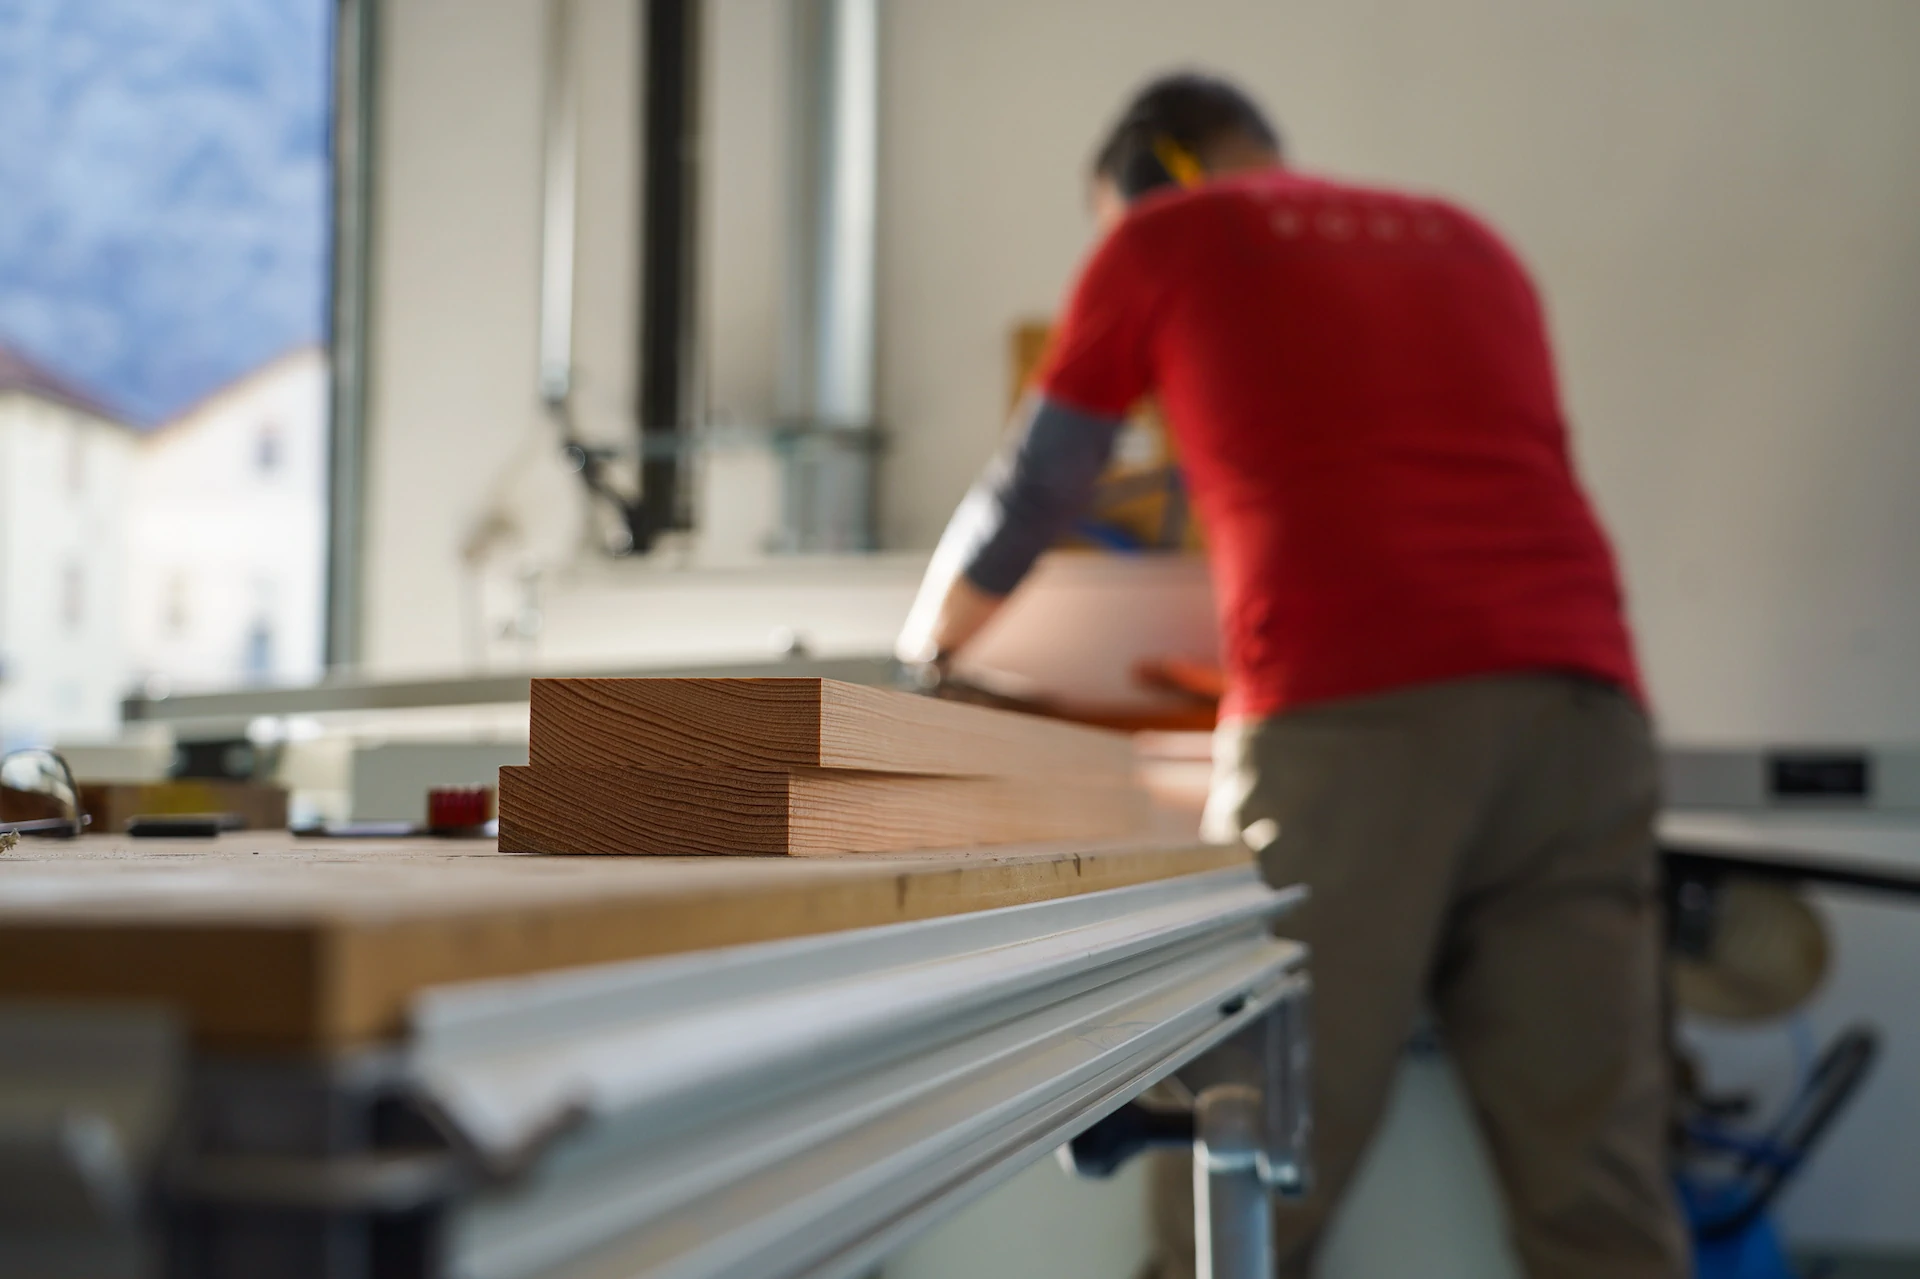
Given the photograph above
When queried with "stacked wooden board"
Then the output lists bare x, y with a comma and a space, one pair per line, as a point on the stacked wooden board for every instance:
802, 767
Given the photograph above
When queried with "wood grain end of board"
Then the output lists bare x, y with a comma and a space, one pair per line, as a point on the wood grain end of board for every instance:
805, 813
632, 811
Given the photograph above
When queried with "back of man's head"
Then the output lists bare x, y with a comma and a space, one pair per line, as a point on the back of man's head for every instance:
1182, 121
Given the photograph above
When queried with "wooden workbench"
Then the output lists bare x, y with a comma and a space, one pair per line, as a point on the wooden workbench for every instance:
262, 941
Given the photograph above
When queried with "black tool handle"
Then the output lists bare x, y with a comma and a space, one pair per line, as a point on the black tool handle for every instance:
1101, 1150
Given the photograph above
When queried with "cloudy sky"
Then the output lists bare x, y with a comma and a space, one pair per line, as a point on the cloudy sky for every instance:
163, 190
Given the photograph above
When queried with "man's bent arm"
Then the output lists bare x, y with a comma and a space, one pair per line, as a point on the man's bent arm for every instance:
1029, 494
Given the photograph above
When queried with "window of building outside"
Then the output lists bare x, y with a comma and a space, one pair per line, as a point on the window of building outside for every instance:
164, 249
259, 658
266, 449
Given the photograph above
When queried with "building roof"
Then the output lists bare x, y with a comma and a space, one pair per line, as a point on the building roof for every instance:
25, 377
300, 353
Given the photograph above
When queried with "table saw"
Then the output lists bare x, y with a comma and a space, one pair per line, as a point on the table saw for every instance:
258, 1055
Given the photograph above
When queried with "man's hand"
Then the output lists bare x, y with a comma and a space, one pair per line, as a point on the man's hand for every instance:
1029, 495
943, 621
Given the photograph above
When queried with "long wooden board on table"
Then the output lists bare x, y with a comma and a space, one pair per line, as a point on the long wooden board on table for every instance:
785, 723
260, 941
801, 813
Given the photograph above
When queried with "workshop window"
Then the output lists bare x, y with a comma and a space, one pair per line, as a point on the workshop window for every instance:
167, 321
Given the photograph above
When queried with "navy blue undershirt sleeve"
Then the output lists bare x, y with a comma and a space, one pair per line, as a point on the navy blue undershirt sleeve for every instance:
1030, 493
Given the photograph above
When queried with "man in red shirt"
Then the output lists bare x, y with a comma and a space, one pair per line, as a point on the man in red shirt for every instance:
1433, 716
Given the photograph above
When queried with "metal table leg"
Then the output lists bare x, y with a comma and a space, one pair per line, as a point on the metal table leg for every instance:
1232, 1216
1250, 1131
1286, 1155
1250, 1144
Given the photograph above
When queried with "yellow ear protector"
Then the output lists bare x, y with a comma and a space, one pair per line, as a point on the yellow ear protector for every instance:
1181, 164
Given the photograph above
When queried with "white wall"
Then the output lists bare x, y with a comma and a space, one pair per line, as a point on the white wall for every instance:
1719, 199
63, 496
455, 421
742, 251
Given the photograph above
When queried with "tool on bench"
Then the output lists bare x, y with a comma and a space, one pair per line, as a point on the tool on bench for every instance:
360, 830
183, 825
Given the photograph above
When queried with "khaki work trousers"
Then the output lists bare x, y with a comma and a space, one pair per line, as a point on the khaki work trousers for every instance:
1482, 848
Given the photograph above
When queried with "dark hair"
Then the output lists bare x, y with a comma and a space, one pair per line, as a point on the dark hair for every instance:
1195, 111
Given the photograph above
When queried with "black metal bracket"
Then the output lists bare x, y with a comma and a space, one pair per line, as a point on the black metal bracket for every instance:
1105, 1148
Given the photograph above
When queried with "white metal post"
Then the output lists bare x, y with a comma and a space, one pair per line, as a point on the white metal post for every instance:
1232, 1212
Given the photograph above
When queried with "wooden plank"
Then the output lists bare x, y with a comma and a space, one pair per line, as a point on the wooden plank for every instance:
264, 942
803, 813
779, 724
112, 805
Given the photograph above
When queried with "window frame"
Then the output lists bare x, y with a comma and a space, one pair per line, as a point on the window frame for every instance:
355, 41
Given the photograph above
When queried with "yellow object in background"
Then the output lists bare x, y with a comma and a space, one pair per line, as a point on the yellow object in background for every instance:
1140, 496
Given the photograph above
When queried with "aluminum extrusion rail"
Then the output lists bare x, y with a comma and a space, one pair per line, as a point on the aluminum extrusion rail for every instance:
804, 1107
786, 1109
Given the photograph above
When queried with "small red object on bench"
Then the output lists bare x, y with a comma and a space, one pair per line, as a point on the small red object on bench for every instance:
458, 808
